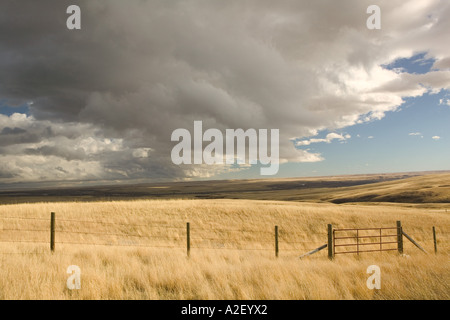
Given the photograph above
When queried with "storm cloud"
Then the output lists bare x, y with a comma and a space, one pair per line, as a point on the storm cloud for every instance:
104, 100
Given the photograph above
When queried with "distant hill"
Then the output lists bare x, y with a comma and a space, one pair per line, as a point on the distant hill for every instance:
421, 189
415, 187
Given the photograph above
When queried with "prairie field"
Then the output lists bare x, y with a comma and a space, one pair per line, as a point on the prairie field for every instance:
137, 249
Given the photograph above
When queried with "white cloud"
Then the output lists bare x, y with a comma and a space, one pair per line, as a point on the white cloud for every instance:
444, 102
36, 150
328, 139
415, 134
436, 138
141, 152
311, 157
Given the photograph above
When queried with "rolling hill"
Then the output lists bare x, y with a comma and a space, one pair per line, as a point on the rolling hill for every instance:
421, 189
418, 187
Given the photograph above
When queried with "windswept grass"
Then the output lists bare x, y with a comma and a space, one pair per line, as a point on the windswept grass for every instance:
140, 251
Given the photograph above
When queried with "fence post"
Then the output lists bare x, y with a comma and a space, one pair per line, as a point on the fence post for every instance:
188, 239
412, 240
276, 241
434, 239
52, 232
330, 242
399, 237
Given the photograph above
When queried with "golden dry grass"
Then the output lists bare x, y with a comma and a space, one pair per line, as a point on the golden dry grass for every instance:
232, 255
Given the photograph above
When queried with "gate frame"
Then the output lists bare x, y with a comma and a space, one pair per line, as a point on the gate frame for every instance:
332, 240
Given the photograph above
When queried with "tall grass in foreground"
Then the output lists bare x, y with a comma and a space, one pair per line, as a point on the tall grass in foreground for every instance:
129, 255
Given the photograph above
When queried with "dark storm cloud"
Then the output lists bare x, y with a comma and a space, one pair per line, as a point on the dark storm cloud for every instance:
105, 99
8, 130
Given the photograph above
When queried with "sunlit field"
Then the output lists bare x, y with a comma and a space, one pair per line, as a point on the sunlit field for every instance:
138, 250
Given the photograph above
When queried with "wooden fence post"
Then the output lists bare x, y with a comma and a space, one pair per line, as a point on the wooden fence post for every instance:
434, 239
276, 241
399, 237
188, 239
52, 232
313, 251
412, 240
330, 242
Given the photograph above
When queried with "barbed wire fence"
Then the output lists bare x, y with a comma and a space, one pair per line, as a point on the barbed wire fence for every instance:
158, 234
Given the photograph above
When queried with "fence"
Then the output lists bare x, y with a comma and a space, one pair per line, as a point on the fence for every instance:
148, 234
374, 242
362, 240
190, 237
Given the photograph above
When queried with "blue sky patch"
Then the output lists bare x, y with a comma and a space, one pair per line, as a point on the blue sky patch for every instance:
417, 64
8, 110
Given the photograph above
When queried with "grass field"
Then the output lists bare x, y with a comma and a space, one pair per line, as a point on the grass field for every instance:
137, 250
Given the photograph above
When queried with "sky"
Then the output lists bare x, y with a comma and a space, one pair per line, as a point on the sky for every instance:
98, 105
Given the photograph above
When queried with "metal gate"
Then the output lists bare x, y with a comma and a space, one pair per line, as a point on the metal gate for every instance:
364, 240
